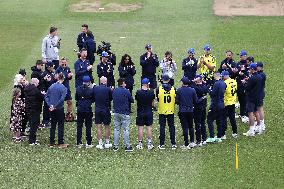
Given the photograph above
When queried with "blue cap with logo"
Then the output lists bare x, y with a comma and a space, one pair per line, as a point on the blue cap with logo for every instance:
253, 66
207, 47
86, 79
198, 77
148, 46
191, 51
224, 73
49, 64
145, 81
243, 53
104, 54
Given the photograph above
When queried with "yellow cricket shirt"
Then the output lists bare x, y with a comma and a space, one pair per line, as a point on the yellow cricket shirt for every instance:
204, 70
230, 96
166, 104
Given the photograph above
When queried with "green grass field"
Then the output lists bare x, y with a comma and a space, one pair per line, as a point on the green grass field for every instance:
168, 25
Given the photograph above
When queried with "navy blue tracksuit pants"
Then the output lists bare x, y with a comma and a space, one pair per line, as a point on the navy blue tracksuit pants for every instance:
199, 121
163, 119
230, 112
57, 118
215, 114
186, 120
86, 117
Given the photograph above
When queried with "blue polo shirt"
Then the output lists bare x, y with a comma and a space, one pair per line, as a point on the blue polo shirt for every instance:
55, 95
121, 100
103, 97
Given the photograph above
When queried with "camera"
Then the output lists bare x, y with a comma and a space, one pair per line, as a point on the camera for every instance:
106, 46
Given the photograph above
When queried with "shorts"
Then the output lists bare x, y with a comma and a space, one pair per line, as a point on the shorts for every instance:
68, 95
146, 119
251, 106
102, 117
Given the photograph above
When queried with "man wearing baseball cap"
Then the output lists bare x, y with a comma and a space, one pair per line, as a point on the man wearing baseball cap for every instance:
230, 98
262, 95
200, 107
84, 97
207, 65
186, 98
105, 68
189, 65
149, 62
145, 100
253, 91
166, 95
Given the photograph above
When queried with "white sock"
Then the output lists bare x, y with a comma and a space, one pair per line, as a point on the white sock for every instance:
101, 141
149, 141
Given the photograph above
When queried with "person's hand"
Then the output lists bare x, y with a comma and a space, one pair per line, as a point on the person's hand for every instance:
241, 73
89, 67
224, 66
148, 54
43, 92
70, 75
51, 108
235, 70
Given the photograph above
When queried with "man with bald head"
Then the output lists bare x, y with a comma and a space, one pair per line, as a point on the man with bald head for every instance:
103, 97
33, 101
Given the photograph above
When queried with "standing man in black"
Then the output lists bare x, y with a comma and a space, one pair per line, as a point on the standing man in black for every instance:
81, 39
228, 64
149, 62
189, 65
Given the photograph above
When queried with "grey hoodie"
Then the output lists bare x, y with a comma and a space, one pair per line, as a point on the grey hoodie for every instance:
50, 48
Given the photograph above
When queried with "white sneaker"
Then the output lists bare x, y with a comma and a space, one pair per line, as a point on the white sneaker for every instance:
199, 144
79, 145
224, 137
174, 147
150, 146
192, 145
204, 142
263, 127
245, 119
161, 147
108, 145
183, 147
100, 146
235, 135
139, 146
257, 129
249, 133
89, 146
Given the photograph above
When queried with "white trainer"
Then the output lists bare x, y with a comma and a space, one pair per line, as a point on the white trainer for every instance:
249, 133
263, 127
139, 146
108, 145
183, 147
204, 142
245, 119
235, 135
224, 137
100, 147
150, 146
192, 145
89, 146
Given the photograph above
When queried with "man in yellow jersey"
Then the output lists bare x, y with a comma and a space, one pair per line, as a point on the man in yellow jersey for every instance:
207, 65
166, 95
230, 98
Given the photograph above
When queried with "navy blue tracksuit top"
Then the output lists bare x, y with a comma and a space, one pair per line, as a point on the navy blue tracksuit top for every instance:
103, 97
121, 100
84, 97
186, 98
201, 91
189, 65
217, 95
263, 76
149, 65
254, 88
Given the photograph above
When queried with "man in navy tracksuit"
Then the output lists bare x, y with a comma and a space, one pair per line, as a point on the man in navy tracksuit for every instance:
55, 100
103, 97
149, 62
261, 96
84, 98
217, 108
105, 68
229, 64
189, 65
186, 98
200, 107
121, 100
90, 45
82, 36
48, 79
253, 92
82, 68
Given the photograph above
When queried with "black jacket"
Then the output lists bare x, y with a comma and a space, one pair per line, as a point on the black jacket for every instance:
33, 99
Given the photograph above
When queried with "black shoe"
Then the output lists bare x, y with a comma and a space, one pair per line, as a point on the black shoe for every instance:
115, 148
129, 149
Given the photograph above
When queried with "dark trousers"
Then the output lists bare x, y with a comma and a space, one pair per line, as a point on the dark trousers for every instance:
215, 114
34, 120
24, 122
84, 117
199, 121
243, 103
163, 119
130, 88
230, 112
45, 113
186, 120
57, 118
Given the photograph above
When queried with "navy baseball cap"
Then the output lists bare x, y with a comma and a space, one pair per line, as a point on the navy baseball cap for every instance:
86, 79
191, 50
250, 58
148, 46
259, 64
207, 47
104, 54
165, 77
253, 66
145, 81
224, 73
185, 80
49, 64
198, 77
243, 53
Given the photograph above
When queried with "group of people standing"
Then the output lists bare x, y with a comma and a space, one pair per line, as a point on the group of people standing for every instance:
49, 88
